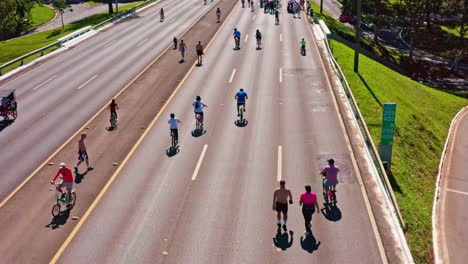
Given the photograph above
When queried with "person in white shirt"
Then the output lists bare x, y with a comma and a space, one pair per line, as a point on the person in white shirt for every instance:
198, 106
173, 122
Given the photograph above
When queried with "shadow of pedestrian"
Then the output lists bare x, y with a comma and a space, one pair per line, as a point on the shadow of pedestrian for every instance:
172, 151
198, 132
241, 124
79, 177
309, 243
332, 213
59, 220
281, 240
5, 123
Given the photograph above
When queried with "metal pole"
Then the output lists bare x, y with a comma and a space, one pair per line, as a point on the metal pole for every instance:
321, 6
116, 7
358, 36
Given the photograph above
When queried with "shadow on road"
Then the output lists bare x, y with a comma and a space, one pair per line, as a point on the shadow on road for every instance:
171, 152
332, 213
198, 133
59, 220
5, 123
281, 240
309, 243
241, 124
80, 176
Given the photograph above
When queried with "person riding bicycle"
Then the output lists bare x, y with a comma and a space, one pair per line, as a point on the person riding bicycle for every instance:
277, 16
258, 36
241, 96
113, 106
237, 36
67, 177
198, 106
303, 46
252, 8
330, 174
218, 15
161, 14
173, 122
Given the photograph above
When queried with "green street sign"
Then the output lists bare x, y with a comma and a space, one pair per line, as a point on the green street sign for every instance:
388, 124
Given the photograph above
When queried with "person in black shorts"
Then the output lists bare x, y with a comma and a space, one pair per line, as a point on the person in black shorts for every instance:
281, 197
199, 48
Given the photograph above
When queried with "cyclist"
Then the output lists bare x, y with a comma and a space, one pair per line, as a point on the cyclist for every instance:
113, 106
243, 3
237, 36
277, 16
173, 122
218, 15
182, 48
161, 14
280, 204
241, 96
251, 5
258, 36
308, 201
198, 106
67, 177
303, 47
330, 174
199, 49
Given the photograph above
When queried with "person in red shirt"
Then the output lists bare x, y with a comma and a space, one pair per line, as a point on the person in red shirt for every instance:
67, 177
308, 201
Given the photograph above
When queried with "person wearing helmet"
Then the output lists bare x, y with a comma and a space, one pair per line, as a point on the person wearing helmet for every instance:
67, 182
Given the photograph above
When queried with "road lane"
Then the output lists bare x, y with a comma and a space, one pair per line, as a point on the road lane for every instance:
51, 108
155, 213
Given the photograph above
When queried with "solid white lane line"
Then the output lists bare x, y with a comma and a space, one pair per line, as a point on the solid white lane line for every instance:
455, 191
232, 75
246, 37
110, 43
44, 82
280, 163
253, 18
195, 173
141, 43
281, 75
88, 81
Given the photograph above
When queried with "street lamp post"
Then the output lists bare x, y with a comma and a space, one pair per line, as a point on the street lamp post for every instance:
117, 6
358, 35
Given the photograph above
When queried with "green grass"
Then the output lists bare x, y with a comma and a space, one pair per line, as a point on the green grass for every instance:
41, 14
453, 31
423, 118
18, 47
93, 3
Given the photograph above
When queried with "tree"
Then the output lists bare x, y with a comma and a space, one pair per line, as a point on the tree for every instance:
15, 17
414, 10
111, 9
60, 6
459, 8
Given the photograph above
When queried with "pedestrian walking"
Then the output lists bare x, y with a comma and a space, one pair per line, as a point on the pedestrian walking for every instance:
200, 53
281, 197
82, 153
308, 201
218, 15
182, 49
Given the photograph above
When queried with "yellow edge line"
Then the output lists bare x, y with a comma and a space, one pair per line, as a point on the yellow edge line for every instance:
114, 176
87, 123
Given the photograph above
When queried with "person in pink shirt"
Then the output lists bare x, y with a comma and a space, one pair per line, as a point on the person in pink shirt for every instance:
308, 201
330, 173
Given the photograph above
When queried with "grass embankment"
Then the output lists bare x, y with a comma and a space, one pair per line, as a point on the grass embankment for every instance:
12, 49
423, 118
41, 14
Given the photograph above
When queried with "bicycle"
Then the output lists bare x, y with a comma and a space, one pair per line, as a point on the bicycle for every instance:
241, 114
303, 50
259, 43
161, 19
56, 209
237, 43
113, 120
329, 193
173, 140
199, 122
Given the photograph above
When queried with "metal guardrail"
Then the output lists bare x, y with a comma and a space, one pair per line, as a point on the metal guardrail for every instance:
367, 136
73, 35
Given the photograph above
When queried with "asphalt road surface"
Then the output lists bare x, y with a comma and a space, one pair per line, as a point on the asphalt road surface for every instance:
56, 98
211, 202
454, 199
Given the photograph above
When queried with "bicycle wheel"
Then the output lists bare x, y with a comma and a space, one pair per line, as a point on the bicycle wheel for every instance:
72, 200
56, 210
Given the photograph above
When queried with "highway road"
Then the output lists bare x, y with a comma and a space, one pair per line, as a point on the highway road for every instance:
56, 98
211, 201
453, 234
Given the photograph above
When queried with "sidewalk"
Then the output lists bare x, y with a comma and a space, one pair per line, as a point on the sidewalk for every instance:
451, 208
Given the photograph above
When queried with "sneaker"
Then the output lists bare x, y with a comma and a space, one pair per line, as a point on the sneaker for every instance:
90, 168
279, 226
285, 228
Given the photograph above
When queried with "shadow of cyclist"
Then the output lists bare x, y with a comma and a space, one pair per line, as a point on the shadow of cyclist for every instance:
309, 243
332, 213
241, 124
59, 220
172, 151
281, 240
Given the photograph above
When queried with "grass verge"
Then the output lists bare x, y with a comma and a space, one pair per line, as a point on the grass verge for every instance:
12, 49
422, 122
41, 14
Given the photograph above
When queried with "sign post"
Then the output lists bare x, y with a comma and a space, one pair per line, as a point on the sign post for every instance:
388, 130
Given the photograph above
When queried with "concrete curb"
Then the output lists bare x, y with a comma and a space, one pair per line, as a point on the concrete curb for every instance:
438, 253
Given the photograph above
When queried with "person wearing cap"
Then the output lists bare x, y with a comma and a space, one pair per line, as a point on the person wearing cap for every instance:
308, 201
67, 177
330, 173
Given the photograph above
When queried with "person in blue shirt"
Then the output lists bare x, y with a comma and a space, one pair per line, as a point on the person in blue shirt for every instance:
237, 36
241, 96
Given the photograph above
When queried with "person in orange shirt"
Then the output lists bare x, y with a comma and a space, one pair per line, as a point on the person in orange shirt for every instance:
67, 177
